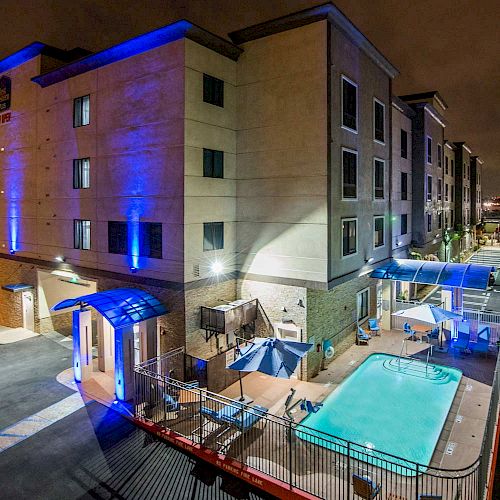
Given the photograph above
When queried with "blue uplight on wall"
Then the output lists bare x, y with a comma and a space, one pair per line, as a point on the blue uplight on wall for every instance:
119, 361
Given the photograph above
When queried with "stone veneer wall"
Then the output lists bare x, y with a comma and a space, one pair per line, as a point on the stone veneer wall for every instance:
11, 312
331, 315
210, 295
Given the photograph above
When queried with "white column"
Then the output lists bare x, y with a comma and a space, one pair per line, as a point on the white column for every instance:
149, 338
388, 296
106, 344
82, 344
124, 363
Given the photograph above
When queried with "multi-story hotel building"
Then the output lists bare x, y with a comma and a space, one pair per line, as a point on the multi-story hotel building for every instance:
428, 140
476, 167
202, 171
463, 220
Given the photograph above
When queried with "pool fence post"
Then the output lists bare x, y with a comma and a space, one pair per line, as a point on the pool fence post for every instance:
348, 469
416, 482
290, 476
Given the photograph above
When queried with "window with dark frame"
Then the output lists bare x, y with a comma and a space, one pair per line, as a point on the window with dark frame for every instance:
446, 192
440, 190
378, 181
404, 224
81, 234
404, 144
404, 186
429, 188
118, 237
446, 162
349, 237
429, 150
213, 163
440, 220
81, 173
378, 232
452, 192
349, 174
349, 104
213, 236
213, 90
363, 304
429, 223
439, 155
378, 121
150, 240
81, 111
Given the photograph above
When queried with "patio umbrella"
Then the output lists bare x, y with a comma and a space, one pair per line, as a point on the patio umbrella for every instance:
429, 314
272, 356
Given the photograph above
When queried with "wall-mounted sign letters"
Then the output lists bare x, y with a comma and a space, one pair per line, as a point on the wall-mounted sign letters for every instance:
5, 86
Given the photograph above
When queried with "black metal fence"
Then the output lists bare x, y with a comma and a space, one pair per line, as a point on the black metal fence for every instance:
301, 457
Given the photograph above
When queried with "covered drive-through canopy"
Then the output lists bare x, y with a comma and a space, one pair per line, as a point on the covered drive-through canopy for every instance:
435, 273
120, 306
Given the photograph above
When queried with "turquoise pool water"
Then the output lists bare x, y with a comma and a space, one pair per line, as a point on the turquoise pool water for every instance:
390, 406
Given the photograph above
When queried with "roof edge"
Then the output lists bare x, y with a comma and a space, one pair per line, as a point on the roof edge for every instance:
402, 106
326, 11
28, 52
137, 45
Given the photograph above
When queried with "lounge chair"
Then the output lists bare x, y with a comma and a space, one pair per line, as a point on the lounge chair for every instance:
483, 340
310, 407
362, 337
171, 404
373, 326
247, 419
218, 417
364, 487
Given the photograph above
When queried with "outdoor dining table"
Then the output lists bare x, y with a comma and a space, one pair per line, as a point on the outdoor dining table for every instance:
191, 396
420, 328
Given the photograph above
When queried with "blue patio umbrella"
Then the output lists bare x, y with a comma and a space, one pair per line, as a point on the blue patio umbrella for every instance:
272, 356
428, 313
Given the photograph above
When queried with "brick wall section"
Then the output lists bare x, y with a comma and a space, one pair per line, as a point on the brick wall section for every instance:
331, 315
209, 296
11, 313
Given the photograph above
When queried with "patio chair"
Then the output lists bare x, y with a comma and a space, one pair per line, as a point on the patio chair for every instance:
217, 417
483, 340
373, 326
407, 329
433, 335
310, 407
171, 404
364, 487
362, 337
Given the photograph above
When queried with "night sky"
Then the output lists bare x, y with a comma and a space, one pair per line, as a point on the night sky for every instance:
448, 45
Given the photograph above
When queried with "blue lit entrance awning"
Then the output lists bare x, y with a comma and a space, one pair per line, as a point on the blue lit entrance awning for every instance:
121, 306
435, 273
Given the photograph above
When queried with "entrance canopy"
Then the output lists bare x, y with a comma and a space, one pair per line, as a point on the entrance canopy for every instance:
435, 273
121, 306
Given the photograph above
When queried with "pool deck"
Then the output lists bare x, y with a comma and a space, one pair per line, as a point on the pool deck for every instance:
460, 441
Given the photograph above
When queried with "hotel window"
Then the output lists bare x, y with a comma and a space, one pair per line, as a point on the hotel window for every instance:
213, 90
429, 149
404, 224
429, 188
452, 193
429, 223
363, 301
378, 121
349, 237
404, 144
81, 234
378, 179
452, 170
349, 174
213, 163
81, 173
446, 162
439, 155
446, 189
118, 237
213, 236
378, 232
349, 104
440, 220
440, 190
150, 240
81, 111
404, 186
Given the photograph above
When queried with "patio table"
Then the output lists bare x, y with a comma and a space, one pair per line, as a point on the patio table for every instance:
420, 328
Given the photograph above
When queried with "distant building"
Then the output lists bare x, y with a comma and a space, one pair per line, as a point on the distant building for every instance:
428, 189
463, 219
476, 200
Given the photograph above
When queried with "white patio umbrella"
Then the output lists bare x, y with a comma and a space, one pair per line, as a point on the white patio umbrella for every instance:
428, 313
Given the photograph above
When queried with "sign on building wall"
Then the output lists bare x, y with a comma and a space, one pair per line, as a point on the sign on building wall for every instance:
5, 90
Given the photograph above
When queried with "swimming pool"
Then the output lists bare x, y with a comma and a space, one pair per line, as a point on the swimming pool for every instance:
387, 405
